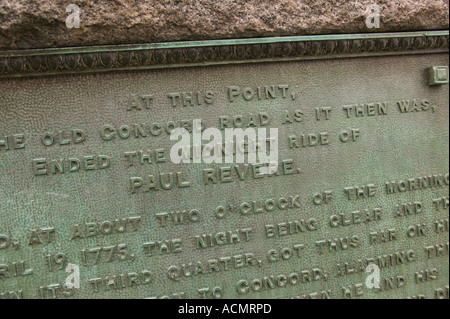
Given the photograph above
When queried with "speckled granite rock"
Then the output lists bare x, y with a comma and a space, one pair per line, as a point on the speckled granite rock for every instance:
41, 23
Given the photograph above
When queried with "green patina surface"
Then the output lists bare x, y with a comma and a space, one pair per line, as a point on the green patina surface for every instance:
389, 146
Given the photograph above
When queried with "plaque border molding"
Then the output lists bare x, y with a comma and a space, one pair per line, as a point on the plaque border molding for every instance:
94, 59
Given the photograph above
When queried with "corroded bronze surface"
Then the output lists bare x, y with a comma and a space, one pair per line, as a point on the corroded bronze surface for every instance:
89, 195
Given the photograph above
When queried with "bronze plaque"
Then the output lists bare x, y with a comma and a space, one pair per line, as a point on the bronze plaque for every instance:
92, 205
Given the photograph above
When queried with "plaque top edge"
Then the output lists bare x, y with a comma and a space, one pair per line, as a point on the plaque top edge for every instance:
92, 59
221, 42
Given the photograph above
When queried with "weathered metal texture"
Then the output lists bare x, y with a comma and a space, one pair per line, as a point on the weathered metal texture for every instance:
349, 130
21, 63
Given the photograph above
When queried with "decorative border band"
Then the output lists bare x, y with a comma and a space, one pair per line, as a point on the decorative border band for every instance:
24, 63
